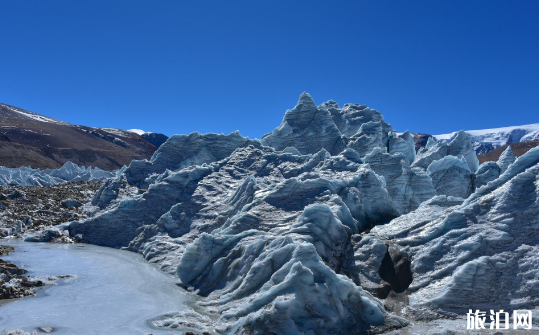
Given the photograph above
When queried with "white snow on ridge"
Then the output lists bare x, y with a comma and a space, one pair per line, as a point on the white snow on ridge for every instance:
137, 131
480, 132
116, 131
497, 137
33, 116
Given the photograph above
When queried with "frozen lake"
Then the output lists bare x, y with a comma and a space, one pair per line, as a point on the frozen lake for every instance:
113, 291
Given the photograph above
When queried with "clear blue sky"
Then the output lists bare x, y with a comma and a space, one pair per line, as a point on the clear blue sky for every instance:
218, 66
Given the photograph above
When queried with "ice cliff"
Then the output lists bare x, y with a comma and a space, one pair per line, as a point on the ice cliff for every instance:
476, 253
306, 230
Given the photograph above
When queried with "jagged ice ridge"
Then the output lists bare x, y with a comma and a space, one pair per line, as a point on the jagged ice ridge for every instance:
300, 231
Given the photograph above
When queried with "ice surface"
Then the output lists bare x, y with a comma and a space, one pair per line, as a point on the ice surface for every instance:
408, 187
293, 232
213, 225
308, 129
181, 151
69, 172
451, 176
506, 158
460, 146
478, 254
112, 291
403, 143
369, 136
488, 171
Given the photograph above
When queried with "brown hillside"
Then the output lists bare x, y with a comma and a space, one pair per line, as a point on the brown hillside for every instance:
519, 149
30, 139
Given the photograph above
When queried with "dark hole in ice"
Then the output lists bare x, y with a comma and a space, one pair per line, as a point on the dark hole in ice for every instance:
395, 270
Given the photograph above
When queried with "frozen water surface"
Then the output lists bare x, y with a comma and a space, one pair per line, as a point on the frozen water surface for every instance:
113, 291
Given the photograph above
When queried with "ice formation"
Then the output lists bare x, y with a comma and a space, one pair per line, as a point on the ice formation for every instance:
298, 232
307, 128
478, 253
69, 172
181, 151
460, 147
451, 176
506, 158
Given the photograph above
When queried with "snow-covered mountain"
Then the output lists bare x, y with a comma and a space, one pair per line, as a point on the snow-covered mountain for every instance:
30, 139
486, 140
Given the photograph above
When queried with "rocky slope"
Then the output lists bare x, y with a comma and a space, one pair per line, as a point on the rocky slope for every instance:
32, 211
518, 149
30, 139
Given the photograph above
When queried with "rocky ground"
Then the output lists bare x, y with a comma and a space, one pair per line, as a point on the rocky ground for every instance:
23, 209
13, 282
34, 209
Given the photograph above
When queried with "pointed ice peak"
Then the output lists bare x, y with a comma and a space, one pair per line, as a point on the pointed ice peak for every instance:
306, 99
406, 135
431, 142
506, 158
461, 136
69, 166
508, 152
329, 104
461, 145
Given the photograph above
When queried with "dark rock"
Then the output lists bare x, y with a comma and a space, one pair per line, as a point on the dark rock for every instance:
155, 138
395, 270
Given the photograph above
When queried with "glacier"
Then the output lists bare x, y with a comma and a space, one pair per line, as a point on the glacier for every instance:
312, 228
69, 172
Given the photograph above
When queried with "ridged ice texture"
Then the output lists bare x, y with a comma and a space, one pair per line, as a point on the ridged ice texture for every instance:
460, 146
69, 172
506, 158
403, 143
433, 151
451, 176
369, 136
181, 151
482, 253
308, 129
350, 118
260, 235
408, 187
261, 229
488, 171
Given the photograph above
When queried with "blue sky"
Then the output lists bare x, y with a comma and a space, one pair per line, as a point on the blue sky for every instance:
218, 66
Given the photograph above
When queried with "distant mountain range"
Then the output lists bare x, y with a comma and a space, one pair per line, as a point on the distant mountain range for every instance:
490, 143
31, 139
486, 140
